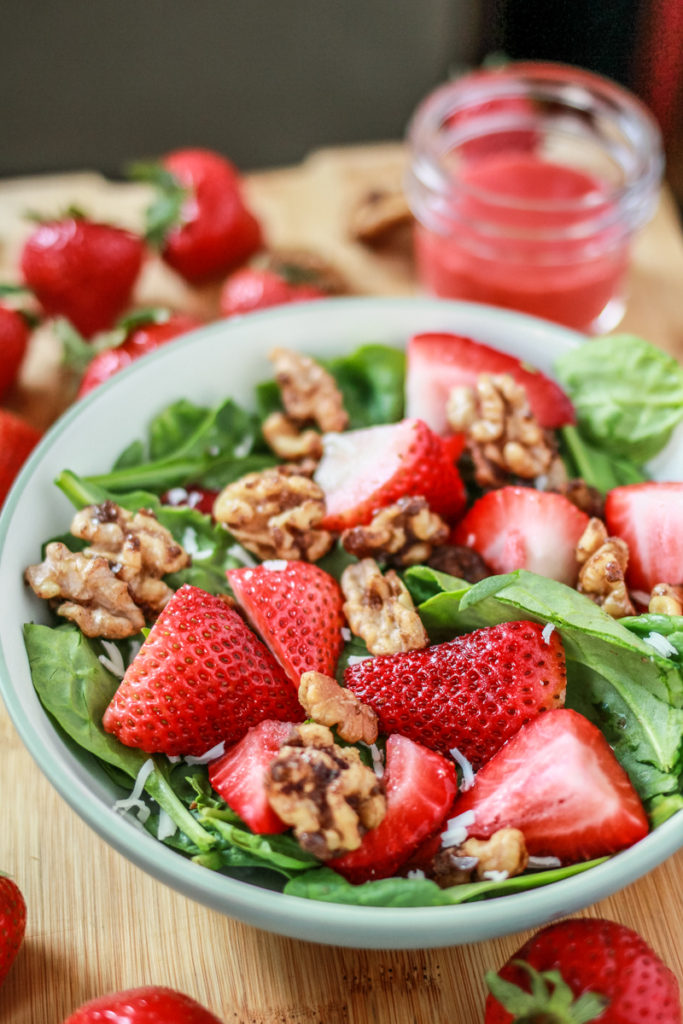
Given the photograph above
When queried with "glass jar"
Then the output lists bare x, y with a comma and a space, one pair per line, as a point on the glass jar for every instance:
527, 184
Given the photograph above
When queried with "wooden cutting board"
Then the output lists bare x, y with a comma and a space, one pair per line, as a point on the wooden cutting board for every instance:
95, 922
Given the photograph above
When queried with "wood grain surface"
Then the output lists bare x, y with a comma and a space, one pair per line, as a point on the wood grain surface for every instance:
96, 923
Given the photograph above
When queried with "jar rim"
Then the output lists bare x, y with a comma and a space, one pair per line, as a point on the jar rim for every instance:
579, 90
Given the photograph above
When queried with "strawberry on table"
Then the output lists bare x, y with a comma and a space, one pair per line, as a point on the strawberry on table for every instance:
601, 971
143, 334
238, 776
522, 528
649, 517
439, 362
473, 693
17, 439
557, 781
12, 923
200, 677
14, 337
150, 1004
296, 608
253, 288
82, 270
420, 787
200, 221
364, 470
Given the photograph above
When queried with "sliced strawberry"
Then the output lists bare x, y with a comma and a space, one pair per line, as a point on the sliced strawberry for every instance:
296, 608
439, 362
473, 693
362, 471
200, 677
521, 528
557, 781
238, 776
649, 517
420, 789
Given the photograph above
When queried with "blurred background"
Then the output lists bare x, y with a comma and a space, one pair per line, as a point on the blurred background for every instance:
96, 83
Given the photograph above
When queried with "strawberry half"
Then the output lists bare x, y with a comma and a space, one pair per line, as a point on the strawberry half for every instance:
200, 677
364, 470
150, 1004
439, 362
649, 517
558, 781
587, 956
420, 787
296, 608
521, 528
238, 776
14, 337
473, 693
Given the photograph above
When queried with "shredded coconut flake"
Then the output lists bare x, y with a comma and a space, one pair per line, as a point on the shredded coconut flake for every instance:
465, 767
416, 873
134, 801
539, 863
112, 659
274, 564
166, 826
346, 634
661, 644
354, 659
209, 755
548, 630
456, 829
243, 447
241, 555
495, 876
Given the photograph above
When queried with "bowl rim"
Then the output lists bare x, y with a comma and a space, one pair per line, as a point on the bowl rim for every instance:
328, 923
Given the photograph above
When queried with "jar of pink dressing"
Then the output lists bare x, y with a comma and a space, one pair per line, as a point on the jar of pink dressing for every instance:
528, 183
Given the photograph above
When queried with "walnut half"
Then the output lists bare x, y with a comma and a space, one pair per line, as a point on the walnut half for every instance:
324, 700
504, 854
402, 534
324, 792
603, 562
380, 610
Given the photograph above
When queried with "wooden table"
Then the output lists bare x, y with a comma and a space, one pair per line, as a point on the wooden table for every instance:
95, 922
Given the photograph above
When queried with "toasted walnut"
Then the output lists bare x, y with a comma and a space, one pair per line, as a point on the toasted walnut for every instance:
503, 436
309, 392
587, 498
324, 792
403, 533
378, 214
275, 514
504, 854
328, 703
288, 441
666, 599
603, 562
86, 591
137, 545
458, 560
301, 266
380, 610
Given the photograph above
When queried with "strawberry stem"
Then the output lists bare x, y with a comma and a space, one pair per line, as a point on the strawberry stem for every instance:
550, 1000
165, 212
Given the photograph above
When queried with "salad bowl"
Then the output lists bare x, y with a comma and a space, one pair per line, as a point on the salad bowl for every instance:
229, 359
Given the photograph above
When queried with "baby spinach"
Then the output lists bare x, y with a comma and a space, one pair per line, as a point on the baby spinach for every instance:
597, 467
614, 677
627, 393
326, 885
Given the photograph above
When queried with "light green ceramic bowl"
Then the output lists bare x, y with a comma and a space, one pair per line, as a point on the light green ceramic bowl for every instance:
229, 358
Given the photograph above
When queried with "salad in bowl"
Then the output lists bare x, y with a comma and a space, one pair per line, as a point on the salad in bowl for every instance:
363, 621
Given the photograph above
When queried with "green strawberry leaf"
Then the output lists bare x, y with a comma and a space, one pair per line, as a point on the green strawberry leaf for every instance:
165, 212
550, 998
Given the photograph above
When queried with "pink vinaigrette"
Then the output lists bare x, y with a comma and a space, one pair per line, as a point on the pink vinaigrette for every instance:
527, 185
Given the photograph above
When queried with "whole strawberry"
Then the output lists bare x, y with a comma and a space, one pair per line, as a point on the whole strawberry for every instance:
82, 270
200, 677
296, 608
473, 692
200, 221
12, 923
142, 335
14, 336
581, 970
17, 439
150, 1004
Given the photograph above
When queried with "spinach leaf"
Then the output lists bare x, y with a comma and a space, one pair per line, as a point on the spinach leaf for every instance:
189, 444
238, 846
627, 393
596, 466
325, 884
614, 677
